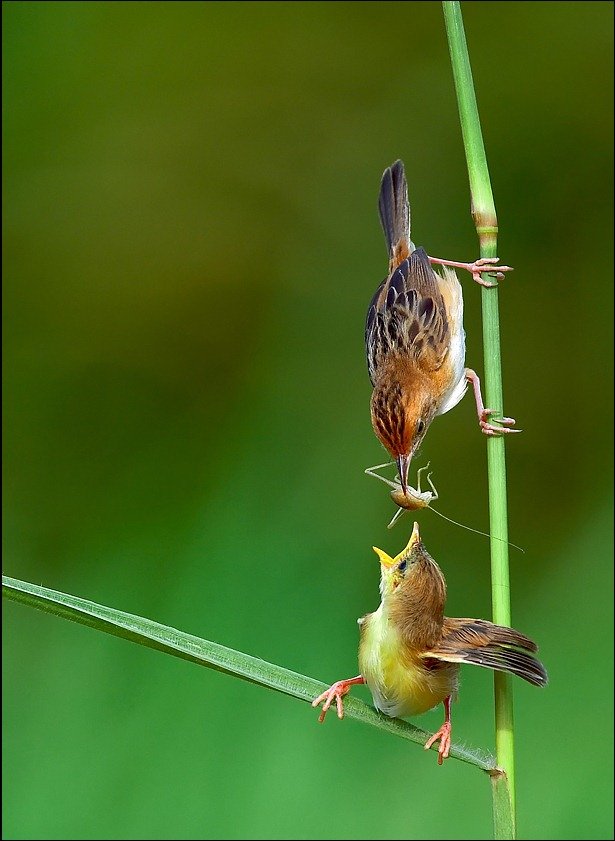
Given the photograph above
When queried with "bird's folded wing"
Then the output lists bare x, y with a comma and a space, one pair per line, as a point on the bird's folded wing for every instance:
408, 315
491, 646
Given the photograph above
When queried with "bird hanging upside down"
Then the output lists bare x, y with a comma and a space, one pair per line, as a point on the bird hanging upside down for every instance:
414, 336
409, 652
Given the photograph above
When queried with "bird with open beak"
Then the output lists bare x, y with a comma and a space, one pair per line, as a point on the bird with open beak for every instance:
414, 336
409, 652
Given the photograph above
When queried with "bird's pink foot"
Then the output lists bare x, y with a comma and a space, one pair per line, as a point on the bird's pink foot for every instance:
487, 265
484, 415
484, 265
335, 693
444, 735
490, 429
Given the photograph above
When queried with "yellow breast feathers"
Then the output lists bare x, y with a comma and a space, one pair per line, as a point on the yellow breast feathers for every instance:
400, 681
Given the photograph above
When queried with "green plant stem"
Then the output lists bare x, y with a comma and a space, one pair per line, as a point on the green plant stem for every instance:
485, 220
219, 657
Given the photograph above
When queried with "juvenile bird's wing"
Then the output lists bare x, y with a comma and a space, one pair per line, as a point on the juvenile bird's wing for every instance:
408, 316
491, 646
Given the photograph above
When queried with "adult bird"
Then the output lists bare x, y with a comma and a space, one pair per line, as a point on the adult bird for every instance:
414, 336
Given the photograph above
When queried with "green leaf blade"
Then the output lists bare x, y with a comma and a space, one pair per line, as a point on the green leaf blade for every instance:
169, 640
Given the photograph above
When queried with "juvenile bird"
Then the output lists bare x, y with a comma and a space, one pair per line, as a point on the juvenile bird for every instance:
409, 652
414, 336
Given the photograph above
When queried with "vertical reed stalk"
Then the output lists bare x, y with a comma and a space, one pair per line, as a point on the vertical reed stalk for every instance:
485, 220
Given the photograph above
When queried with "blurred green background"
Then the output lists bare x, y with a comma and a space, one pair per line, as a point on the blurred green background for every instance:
190, 243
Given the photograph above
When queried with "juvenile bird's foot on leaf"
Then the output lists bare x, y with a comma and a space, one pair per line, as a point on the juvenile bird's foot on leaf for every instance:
485, 265
335, 693
444, 735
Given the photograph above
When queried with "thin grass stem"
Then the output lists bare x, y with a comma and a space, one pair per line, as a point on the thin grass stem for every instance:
485, 220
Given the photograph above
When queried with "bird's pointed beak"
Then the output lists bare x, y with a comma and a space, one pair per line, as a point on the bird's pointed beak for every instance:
385, 560
403, 463
415, 538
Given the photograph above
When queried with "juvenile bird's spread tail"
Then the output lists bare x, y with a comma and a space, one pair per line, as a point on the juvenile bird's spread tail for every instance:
395, 214
491, 646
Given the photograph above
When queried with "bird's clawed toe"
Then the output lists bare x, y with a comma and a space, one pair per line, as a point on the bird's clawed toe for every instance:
490, 428
444, 736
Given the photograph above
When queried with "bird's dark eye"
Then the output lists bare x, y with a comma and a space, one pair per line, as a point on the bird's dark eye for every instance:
402, 566
420, 426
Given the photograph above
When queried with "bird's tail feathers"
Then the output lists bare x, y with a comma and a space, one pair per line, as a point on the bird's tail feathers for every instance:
482, 643
502, 659
395, 213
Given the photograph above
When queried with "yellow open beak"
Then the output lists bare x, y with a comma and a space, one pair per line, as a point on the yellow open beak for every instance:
387, 561
415, 538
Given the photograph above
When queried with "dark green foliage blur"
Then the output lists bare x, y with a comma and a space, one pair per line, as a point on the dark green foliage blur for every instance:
190, 243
